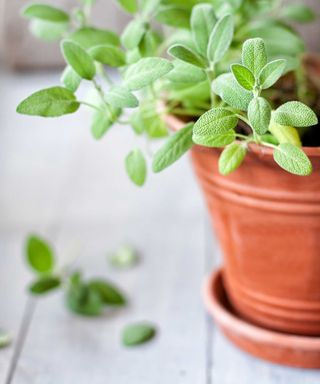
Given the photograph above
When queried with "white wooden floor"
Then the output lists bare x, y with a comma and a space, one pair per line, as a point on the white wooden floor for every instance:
57, 181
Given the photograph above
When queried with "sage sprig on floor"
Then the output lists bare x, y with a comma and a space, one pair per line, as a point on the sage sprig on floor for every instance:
84, 297
192, 82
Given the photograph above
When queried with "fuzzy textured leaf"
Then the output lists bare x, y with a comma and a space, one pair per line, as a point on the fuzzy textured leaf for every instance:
220, 39
254, 55
133, 34
39, 255
78, 59
285, 134
259, 114
271, 73
108, 54
136, 167
217, 121
231, 92
244, 76
138, 333
231, 158
203, 20
295, 114
120, 97
45, 12
176, 146
186, 73
89, 37
146, 71
47, 30
49, 102
292, 159
184, 53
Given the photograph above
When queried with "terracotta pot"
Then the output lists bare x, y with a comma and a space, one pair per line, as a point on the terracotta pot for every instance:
268, 224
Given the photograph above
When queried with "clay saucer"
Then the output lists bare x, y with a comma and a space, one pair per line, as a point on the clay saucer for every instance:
281, 348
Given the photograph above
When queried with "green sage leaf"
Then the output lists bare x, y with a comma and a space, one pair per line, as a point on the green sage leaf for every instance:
45, 12
295, 114
44, 285
174, 16
101, 123
47, 30
130, 6
259, 114
39, 255
220, 39
203, 20
254, 55
145, 72
244, 76
108, 54
89, 37
186, 73
109, 293
120, 97
184, 53
271, 73
71, 79
78, 59
133, 34
153, 123
84, 301
138, 333
231, 158
216, 122
50, 102
136, 167
231, 92
292, 159
285, 134
175, 147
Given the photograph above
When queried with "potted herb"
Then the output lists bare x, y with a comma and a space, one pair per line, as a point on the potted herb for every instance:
237, 90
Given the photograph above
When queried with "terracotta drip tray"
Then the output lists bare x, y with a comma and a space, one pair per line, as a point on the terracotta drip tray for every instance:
281, 348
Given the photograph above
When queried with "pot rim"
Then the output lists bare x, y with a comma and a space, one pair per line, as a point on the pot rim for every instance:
176, 124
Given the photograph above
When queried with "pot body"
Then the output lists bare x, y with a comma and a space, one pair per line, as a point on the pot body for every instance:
268, 224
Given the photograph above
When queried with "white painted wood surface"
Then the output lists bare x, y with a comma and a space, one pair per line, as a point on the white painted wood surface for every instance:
59, 182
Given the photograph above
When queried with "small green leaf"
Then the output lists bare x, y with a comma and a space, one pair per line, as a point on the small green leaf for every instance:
44, 285
109, 294
89, 37
174, 16
83, 300
145, 72
133, 34
184, 53
47, 30
295, 114
153, 123
213, 127
108, 54
220, 39
254, 55
231, 158
244, 76
259, 114
149, 6
125, 257
231, 92
203, 20
45, 12
5, 339
271, 73
80, 61
70, 79
120, 97
300, 13
136, 167
285, 134
138, 333
39, 255
150, 43
292, 159
175, 147
186, 73
101, 123
50, 102
130, 6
